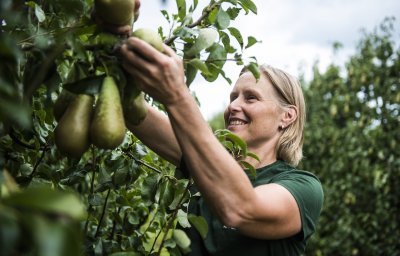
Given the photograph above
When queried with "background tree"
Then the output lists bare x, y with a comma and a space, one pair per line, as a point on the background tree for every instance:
352, 142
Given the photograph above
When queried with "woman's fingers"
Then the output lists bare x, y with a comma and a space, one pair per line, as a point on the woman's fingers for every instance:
144, 49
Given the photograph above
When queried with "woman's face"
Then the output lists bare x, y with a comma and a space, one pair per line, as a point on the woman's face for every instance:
254, 113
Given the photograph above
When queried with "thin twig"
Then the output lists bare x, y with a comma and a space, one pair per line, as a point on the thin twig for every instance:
91, 188
38, 162
138, 161
102, 213
205, 13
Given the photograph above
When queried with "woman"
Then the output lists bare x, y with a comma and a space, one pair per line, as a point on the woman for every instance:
273, 214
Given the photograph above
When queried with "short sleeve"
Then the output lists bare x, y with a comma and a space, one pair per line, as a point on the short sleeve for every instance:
308, 193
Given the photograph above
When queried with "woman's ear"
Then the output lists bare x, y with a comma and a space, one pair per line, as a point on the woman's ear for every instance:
289, 115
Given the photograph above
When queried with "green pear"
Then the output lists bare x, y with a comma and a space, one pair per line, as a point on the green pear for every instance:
72, 132
117, 12
150, 36
107, 130
61, 104
134, 105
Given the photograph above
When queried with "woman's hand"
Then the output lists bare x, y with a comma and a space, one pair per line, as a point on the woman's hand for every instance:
125, 30
161, 75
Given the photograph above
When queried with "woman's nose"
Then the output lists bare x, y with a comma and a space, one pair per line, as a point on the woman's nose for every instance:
235, 105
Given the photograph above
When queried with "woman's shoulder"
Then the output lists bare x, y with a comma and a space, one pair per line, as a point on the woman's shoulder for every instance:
283, 173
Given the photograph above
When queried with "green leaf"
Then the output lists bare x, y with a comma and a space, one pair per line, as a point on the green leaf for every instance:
212, 16
215, 61
89, 85
236, 140
200, 65
190, 73
127, 253
236, 34
200, 224
39, 13
49, 200
254, 69
233, 12
182, 218
181, 5
249, 168
248, 5
251, 41
223, 19
225, 39
253, 155
53, 238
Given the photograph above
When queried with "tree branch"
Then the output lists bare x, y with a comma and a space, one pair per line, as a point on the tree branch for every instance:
205, 13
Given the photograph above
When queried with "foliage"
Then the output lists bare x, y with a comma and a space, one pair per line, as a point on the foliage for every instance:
352, 143
217, 121
131, 201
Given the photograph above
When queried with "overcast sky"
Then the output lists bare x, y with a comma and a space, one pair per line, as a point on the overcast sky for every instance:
294, 34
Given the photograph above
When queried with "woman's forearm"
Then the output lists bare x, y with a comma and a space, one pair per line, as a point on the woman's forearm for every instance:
218, 176
155, 131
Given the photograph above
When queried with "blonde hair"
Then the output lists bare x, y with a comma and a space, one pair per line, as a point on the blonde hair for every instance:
288, 87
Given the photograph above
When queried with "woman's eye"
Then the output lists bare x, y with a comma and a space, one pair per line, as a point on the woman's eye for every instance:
251, 97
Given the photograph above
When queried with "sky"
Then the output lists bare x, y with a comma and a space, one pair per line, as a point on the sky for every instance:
294, 35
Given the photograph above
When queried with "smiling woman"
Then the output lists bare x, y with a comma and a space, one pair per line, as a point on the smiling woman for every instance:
273, 213
279, 208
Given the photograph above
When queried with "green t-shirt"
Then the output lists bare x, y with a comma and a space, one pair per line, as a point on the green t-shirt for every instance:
221, 240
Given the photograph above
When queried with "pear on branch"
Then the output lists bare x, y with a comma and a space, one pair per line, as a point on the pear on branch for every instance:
116, 12
150, 36
107, 129
134, 103
72, 131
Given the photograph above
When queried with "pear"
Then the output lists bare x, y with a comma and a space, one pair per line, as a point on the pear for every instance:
61, 104
150, 36
107, 130
117, 12
134, 105
72, 132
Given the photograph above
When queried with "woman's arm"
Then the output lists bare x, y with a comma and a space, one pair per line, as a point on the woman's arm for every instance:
155, 131
269, 211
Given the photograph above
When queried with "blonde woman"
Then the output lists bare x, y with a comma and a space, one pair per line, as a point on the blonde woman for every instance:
272, 214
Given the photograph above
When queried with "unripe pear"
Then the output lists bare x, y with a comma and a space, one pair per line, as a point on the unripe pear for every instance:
107, 130
133, 104
117, 12
72, 132
182, 240
150, 36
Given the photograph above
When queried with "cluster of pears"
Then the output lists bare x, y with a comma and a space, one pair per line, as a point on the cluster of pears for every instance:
82, 121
